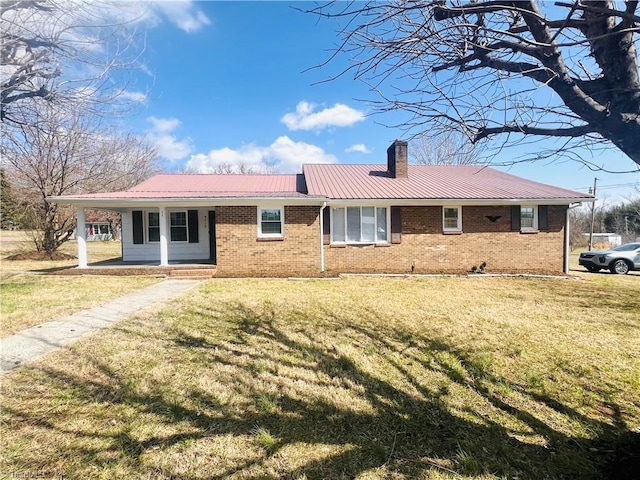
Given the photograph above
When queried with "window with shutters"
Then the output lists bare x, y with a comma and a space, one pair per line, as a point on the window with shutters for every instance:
528, 217
360, 225
183, 226
178, 226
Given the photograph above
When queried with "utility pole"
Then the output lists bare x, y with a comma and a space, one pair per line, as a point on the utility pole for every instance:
626, 225
593, 213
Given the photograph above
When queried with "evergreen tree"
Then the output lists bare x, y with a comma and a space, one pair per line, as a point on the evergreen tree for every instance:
7, 203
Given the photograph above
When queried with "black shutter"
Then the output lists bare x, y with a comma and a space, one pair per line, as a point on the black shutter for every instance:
515, 217
326, 226
138, 227
543, 217
396, 225
192, 221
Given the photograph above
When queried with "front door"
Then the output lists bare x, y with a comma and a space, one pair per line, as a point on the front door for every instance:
212, 237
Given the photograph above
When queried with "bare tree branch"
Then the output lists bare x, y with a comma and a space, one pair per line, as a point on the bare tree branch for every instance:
501, 70
65, 152
67, 51
451, 148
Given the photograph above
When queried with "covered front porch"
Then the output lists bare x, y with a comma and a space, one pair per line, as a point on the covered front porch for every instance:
156, 236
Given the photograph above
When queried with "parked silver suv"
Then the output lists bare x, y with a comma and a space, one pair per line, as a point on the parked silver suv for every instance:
619, 260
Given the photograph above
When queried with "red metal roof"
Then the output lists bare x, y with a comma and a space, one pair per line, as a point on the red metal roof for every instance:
348, 182
217, 184
338, 181
211, 186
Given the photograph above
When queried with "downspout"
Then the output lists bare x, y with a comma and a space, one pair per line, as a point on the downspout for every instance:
324, 205
566, 238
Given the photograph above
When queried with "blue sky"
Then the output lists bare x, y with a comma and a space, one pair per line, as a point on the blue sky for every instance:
233, 82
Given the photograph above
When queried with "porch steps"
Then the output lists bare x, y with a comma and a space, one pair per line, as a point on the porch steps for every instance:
192, 273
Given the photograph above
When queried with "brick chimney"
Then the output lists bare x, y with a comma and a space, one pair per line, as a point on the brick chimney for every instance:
397, 159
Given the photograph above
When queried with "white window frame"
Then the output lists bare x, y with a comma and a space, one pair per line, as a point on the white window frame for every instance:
458, 227
375, 216
270, 235
533, 228
186, 226
148, 226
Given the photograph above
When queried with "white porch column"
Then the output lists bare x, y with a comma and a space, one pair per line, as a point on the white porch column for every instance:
81, 237
164, 243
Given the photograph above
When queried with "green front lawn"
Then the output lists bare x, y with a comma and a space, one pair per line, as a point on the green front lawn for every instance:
356, 378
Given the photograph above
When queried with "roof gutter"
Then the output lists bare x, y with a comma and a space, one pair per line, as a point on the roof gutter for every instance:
106, 202
438, 202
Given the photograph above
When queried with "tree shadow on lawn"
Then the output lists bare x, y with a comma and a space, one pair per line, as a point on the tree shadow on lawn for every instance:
428, 406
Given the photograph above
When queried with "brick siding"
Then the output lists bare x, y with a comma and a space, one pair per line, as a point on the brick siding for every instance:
241, 254
423, 249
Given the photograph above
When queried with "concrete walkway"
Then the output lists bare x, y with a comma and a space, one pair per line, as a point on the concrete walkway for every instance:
35, 342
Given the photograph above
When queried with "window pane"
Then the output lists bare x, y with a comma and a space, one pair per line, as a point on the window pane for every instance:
368, 224
154, 227
270, 221
271, 227
337, 228
271, 215
154, 234
451, 218
526, 217
381, 235
353, 224
178, 219
178, 234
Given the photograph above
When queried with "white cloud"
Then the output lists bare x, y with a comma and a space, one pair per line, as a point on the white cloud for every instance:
358, 147
161, 134
283, 156
304, 118
135, 97
184, 14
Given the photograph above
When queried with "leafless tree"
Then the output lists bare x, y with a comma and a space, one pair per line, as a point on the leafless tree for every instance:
448, 148
515, 70
231, 168
579, 225
62, 153
68, 51
624, 219
241, 168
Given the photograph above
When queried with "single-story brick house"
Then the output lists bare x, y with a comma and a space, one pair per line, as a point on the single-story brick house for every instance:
393, 218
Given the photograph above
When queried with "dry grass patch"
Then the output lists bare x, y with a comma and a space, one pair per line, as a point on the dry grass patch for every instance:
18, 242
358, 378
29, 298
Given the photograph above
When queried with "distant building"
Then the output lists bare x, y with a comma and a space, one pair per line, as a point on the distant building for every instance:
98, 231
98, 227
612, 239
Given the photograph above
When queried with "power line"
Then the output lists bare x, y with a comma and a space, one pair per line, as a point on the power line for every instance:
607, 187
